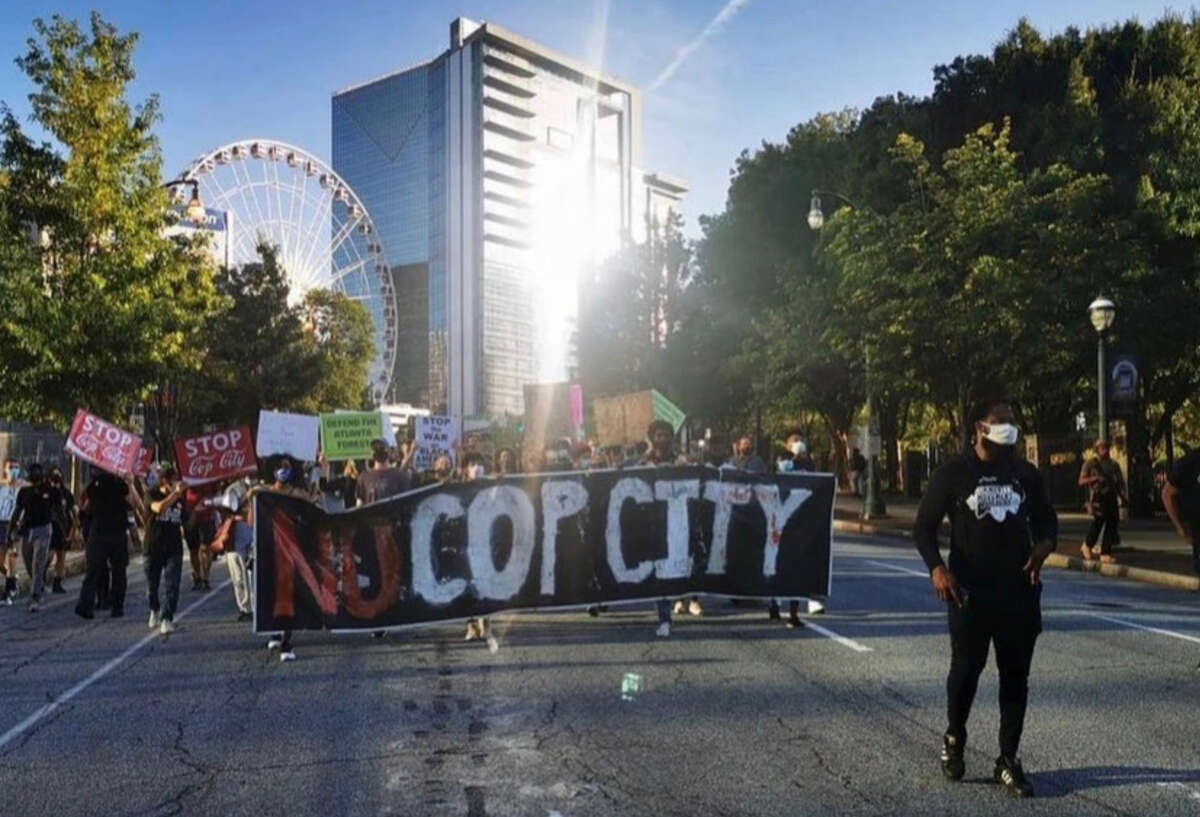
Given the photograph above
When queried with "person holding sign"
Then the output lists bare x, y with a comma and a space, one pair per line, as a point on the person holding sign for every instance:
105, 507
164, 549
10, 483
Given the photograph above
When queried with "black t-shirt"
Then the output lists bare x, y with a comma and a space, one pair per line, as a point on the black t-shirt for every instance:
39, 505
165, 529
107, 506
380, 483
1186, 477
997, 510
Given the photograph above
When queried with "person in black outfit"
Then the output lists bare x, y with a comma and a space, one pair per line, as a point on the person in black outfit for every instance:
1181, 498
104, 508
1002, 528
164, 549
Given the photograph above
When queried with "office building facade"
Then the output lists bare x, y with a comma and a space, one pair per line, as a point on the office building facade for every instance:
495, 173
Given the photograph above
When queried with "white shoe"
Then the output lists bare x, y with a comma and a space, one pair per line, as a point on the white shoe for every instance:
493, 644
664, 630
815, 608
274, 642
155, 620
167, 627
694, 608
473, 633
287, 655
679, 608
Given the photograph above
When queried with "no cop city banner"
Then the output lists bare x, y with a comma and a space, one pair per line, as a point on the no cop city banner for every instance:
549, 540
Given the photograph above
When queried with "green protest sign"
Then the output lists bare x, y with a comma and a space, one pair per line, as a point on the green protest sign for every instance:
348, 435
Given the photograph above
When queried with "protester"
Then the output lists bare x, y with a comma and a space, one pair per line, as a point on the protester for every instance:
336, 493
164, 549
382, 479
1181, 498
858, 472
1102, 476
1002, 529
794, 460
505, 462
289, 481
37, 505
661, 452
65, 524
235, 539
10, 483
744, 458
105, 507
478, 628
199, 530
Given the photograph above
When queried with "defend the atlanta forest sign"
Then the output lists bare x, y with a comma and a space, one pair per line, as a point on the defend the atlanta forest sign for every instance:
548, 540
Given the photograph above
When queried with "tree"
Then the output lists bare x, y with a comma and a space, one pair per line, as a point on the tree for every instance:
343, 335
95, 299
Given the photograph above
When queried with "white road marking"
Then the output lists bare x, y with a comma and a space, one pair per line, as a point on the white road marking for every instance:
908, 570
41, 712
1137, 626
841, 639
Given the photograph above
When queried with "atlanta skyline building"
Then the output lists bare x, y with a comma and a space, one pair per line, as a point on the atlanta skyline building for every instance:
496, 174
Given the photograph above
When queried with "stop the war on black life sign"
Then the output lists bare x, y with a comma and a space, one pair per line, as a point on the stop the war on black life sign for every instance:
541, 541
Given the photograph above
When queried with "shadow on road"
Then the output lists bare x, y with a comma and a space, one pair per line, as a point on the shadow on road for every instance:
1064, 782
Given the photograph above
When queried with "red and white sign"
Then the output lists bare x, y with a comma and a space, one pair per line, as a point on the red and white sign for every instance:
219, 455
103, 444
145, 458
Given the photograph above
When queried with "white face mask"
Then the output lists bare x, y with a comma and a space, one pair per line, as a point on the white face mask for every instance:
797, 448
476, 472
1001, 433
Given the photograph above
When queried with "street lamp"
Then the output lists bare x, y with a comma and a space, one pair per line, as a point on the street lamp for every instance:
873, 507
194, 211
1102, 312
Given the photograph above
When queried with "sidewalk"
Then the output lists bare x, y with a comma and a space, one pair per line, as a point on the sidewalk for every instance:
1146, 544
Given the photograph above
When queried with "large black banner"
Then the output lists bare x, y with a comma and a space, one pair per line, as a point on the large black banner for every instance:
540, 541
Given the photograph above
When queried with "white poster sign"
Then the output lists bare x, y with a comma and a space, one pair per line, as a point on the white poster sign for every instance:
292, 434
436, 435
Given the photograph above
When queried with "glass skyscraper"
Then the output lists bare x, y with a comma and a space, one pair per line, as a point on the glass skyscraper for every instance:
495, 173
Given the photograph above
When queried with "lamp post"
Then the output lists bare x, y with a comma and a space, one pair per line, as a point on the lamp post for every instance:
1102, 312
194, 211
873, 506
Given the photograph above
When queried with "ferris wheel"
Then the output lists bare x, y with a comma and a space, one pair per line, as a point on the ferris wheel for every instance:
267, 191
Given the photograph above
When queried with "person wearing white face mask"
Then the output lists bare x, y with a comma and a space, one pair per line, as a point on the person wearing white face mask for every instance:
799, 462
1002, 528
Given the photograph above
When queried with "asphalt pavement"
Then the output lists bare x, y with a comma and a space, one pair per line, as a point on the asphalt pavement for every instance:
732, 715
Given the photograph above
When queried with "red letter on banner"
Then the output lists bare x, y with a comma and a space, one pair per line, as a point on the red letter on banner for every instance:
388, 559
289, 560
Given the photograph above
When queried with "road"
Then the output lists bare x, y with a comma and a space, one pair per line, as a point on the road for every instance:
730, 716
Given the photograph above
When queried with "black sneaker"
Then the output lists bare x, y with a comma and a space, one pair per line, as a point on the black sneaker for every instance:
243, 616
79, 611
118, 612
1010, 775
57, 587
794, 622
773, 611
953, 766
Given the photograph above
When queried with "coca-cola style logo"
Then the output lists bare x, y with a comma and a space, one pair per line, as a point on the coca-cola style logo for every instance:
214, 456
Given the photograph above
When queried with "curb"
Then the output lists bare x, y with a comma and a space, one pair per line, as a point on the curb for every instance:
1175, 581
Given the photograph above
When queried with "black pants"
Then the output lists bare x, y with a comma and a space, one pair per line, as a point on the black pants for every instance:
164, 565
1014, 633
107, 557
1106, 516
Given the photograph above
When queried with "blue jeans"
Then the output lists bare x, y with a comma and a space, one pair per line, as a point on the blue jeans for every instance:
164, 562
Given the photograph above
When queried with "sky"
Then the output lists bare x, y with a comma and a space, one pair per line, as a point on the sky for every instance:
720, 75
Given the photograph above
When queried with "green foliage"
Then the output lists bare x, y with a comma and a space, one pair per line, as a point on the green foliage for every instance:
94, 299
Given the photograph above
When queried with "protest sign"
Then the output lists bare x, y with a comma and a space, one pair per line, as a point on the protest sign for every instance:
291, 434
102, 444
435, 435
347, 435
541, 541
216, 456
